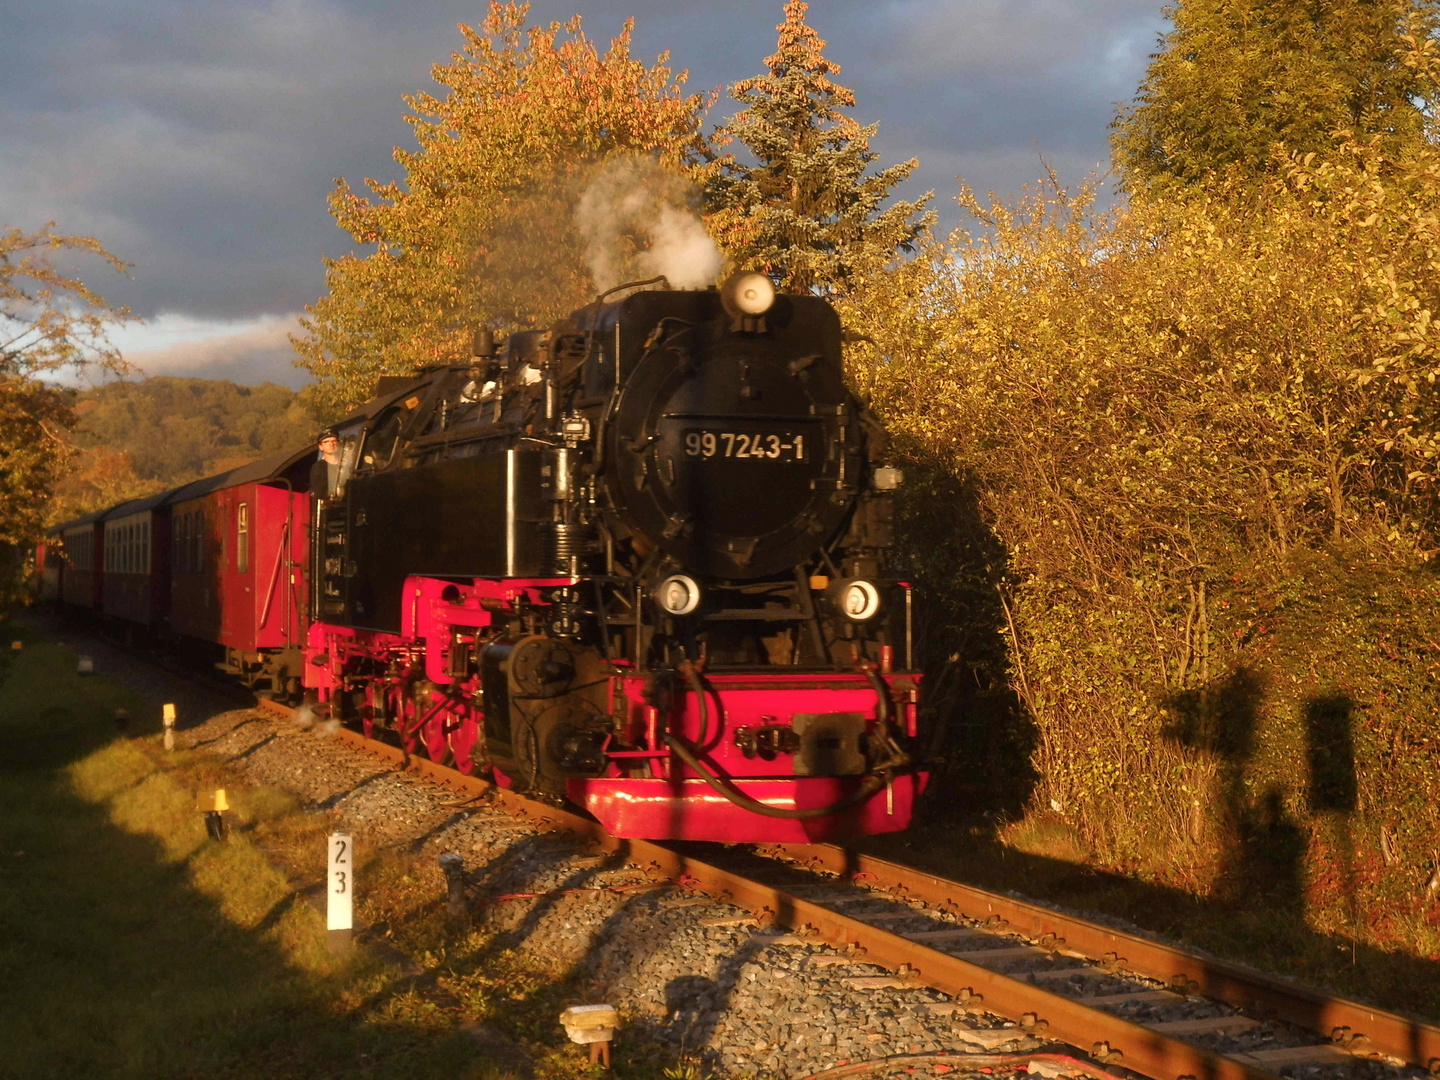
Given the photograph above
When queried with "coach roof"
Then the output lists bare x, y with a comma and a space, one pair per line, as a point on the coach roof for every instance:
267, 468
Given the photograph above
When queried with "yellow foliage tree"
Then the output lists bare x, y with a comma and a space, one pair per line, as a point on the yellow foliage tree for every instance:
50, 321
482, 230
1152, 403
1236, 79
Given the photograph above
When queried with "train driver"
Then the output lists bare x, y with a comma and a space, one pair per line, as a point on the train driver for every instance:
325, 473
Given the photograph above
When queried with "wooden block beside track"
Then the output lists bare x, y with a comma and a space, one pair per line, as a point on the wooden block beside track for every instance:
729, 920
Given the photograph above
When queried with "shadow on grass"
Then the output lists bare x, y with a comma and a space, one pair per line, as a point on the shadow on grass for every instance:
114, 965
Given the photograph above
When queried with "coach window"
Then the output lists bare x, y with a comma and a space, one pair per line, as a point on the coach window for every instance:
242, 538
145, 547
197, 542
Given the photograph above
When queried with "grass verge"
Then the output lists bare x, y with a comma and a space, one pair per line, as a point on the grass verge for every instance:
140, 948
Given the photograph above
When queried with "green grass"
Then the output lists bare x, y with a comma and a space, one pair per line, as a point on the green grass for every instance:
132, 946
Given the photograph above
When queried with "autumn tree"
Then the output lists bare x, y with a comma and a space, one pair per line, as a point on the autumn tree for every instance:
1236, 79
50, 322
482, 229
1202, 433
805, 211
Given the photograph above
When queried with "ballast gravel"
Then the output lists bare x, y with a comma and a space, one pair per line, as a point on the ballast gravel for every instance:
686, 972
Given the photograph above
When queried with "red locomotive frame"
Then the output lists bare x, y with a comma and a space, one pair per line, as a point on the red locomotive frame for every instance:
648, 793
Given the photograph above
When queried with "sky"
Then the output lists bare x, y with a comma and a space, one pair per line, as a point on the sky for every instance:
198, 139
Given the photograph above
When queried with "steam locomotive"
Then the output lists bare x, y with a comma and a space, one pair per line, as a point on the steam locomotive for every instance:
637, 560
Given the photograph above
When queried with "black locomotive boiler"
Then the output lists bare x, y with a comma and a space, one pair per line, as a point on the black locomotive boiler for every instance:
638, 559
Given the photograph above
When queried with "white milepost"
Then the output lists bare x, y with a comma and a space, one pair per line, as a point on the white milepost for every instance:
339, 910
167, 716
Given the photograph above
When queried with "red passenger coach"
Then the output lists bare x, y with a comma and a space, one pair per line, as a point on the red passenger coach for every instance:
136, 561
239, 545
83, 581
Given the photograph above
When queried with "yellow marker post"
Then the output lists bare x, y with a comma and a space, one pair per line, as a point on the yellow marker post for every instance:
214, 823
592, 1025
167, 717
16, 646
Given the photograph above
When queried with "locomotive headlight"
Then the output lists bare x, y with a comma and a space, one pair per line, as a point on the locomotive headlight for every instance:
857, 600
678, 595
747, 293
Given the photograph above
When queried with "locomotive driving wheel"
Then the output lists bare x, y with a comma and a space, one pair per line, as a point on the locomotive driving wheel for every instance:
464, 731
403, 715
436, 734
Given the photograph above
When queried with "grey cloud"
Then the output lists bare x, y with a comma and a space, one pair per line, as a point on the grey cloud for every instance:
199, 138
256, 354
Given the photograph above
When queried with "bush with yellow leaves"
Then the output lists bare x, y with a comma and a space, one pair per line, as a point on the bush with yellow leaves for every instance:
1202, 430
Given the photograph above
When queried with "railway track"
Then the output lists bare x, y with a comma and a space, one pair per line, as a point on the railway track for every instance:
1133, 1005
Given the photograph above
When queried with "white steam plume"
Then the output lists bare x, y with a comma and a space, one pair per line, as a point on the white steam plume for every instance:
638, 222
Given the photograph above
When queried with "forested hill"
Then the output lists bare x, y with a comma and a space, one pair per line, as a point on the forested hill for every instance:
136, 438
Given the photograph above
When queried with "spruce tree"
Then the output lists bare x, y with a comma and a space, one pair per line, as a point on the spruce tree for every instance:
1236, 79
805, 212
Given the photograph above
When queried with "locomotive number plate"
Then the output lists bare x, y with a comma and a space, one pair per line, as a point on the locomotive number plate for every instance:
755, 445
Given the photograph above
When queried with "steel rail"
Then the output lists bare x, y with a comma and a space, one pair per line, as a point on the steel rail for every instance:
1235, 984
1116, 1040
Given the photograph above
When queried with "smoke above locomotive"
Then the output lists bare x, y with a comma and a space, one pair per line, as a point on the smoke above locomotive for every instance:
639, 220
638, 558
